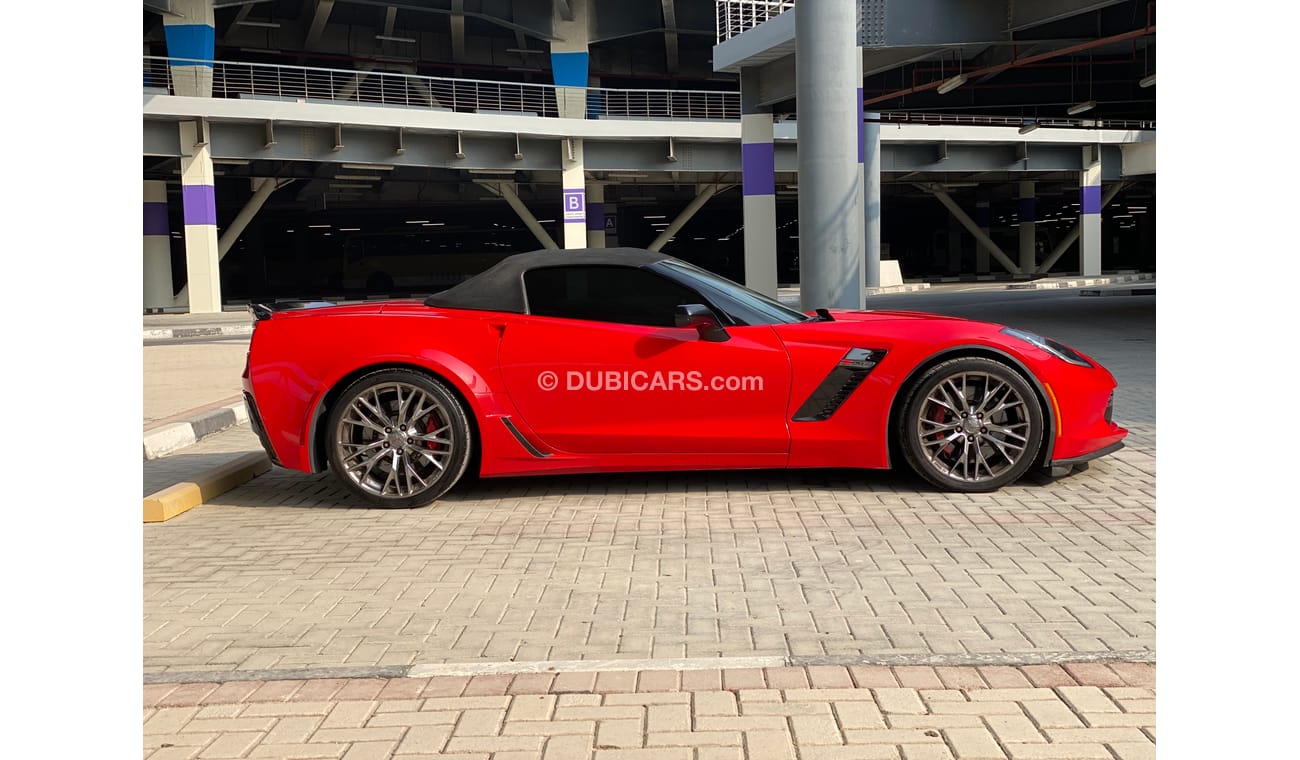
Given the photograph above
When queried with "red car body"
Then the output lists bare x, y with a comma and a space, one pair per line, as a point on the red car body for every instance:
632, 397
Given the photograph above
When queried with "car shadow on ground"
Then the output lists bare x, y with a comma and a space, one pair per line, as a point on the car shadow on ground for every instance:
291, 489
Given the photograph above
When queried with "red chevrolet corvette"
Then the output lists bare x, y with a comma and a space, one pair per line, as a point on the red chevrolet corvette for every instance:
621, 360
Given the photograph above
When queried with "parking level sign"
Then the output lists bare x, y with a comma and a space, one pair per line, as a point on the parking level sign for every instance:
575, 205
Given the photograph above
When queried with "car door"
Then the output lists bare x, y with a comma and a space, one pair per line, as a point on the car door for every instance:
597, 367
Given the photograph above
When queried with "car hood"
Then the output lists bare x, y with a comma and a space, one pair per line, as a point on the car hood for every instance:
884, 315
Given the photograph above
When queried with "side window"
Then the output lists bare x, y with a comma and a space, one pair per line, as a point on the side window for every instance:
605, 294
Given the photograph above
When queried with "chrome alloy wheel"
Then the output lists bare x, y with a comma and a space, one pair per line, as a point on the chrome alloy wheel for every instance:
394, 440
975, 427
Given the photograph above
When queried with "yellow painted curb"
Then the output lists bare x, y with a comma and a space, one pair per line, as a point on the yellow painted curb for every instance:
169, 502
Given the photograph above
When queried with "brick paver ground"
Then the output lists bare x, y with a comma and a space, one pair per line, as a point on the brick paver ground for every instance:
866, 712
279, 618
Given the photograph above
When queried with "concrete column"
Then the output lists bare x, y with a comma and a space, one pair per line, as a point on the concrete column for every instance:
199, 197
758, 185
1090, 212
1028, 227
569, 60
871, 197
190, 33
984, 218
157, 247
573, 179
596, 215
827, 82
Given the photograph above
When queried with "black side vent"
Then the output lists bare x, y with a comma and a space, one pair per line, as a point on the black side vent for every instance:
831, 394
1110, 408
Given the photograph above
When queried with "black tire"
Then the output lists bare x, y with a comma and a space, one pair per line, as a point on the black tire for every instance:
398, 438
986, 440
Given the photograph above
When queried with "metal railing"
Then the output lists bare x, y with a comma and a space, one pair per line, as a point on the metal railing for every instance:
908, 117
304, 84
299, 83
737, 16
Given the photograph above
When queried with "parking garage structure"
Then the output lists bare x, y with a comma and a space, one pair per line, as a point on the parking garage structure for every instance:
315, 152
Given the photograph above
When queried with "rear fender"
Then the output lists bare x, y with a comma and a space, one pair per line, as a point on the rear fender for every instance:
469, 386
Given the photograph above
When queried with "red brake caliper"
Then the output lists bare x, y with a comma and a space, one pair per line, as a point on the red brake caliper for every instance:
937, 417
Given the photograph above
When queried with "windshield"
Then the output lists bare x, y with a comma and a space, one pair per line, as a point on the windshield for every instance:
744, 305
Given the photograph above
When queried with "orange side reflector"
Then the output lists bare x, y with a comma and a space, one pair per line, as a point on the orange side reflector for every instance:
1056, 408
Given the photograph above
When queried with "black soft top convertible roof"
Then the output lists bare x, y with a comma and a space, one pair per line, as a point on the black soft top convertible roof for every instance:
501, 288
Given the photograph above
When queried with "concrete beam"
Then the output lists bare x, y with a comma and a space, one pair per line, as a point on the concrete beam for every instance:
909, 23
265, 187
670, 36
507, 191
320, 17
457, 20
1023, 14
702, 197
1073, 234
974, 229
300, 142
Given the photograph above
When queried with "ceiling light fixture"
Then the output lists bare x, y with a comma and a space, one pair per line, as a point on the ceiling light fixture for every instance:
1029, 126
260, 24
952, 84
390, 38
1147, 81
1079, 108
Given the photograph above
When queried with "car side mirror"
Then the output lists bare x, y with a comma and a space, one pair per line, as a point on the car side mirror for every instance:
702, 319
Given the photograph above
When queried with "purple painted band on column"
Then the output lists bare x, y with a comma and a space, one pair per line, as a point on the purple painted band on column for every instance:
1090, 199
155, 218
862, 143
200, 204
1028, 209
758, 169
596, 216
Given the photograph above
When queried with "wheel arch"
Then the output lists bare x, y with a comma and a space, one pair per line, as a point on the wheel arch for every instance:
318, 451
963, 352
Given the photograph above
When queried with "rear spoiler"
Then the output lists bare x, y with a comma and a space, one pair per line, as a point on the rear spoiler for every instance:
262, 311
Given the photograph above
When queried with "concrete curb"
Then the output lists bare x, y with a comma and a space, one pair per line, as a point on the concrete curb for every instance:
173, 500
475, 669
791, 296
198, 332
1080, 282
1120, 292
166, 439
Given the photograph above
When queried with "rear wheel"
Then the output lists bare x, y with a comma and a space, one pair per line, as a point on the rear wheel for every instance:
398, 438
971, 424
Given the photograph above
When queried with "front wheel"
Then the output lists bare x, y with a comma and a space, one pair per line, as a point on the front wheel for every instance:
971, 424
398, 438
